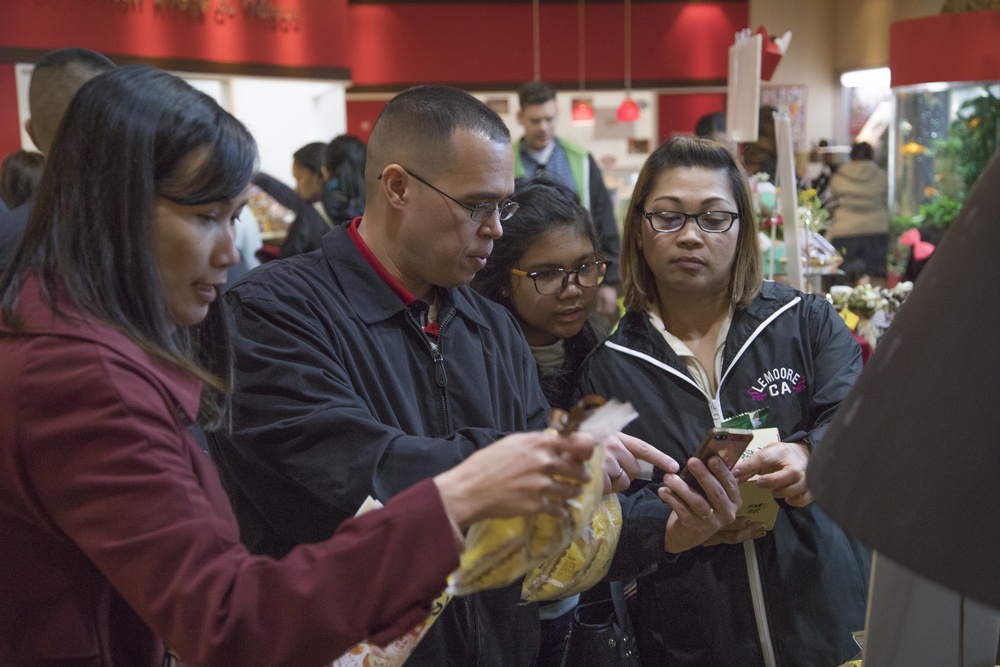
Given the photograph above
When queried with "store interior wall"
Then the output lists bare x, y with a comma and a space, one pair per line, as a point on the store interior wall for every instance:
282, 114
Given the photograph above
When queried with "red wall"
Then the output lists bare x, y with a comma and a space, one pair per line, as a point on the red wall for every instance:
10, 131
306, 33
679, 113
490, 44
946, 47
388, 46
361, 116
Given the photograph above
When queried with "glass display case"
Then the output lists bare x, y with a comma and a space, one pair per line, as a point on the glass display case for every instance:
942, 137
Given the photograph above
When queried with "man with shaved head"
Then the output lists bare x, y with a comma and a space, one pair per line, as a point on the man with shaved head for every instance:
54, 81
368, 365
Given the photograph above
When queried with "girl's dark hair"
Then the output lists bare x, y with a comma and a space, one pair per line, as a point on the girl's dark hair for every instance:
345, 161
129, 137
20, 174
312, 156
637, 279
544, 204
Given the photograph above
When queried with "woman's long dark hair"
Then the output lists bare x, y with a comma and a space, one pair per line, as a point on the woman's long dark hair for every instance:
345, 161
91, 237
344, 193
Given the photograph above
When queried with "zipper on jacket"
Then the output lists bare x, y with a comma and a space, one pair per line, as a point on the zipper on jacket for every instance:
437, 357
715, 406
749, 550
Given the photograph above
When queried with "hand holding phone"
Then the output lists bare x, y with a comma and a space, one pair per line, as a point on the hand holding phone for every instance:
726, 443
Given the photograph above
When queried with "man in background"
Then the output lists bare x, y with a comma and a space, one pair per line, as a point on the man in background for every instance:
539, 149
54, 82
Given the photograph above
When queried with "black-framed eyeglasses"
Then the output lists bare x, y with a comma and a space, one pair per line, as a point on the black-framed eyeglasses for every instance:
554, 281
480, 212
713, 222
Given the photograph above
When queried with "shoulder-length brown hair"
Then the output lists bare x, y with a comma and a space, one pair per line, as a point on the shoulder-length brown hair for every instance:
638, 282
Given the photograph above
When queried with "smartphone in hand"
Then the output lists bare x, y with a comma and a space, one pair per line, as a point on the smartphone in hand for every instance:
726, 443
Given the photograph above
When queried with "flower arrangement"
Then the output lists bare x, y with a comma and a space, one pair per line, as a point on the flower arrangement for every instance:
874, 307
811, 212
863, 300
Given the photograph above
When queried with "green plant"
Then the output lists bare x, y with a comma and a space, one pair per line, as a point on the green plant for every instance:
898, 224
938, 212
972, 140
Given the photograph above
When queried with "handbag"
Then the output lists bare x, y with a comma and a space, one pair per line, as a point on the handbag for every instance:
601, 634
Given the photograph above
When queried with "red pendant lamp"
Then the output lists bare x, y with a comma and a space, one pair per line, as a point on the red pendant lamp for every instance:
628, 111
582, 113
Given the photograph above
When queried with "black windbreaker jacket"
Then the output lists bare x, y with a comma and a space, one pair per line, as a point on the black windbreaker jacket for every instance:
793, 597
339, 395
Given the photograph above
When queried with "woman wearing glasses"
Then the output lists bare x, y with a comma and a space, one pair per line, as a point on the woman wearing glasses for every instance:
705, 339
546, 269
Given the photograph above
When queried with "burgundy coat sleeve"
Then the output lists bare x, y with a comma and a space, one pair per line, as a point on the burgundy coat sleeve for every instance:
111, 467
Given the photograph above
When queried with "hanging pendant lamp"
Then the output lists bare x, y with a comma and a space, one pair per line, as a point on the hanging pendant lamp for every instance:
628, 111
582, 113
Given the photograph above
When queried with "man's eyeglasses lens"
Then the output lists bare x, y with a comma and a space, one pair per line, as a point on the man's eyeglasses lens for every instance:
479, 213
482, 212
554, 281
710, 221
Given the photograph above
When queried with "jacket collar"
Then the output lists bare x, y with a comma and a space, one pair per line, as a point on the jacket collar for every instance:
38, 319
370, 296
637, 333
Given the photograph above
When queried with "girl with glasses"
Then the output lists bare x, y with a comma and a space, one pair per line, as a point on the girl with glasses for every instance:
705, 339
546, 269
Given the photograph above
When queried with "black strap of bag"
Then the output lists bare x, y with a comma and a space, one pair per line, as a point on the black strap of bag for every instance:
601, 634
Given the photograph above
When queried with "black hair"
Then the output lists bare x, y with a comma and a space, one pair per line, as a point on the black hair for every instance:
544, 204
420, 121
709, 124
128, 138
312, 156
20, 174
535, 92
345, 161
862, 151
55, 79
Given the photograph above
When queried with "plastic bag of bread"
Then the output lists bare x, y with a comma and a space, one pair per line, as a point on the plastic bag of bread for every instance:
583, 563
500, 551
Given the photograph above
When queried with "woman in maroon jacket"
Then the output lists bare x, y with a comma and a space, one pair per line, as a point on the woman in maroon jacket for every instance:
115, 534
